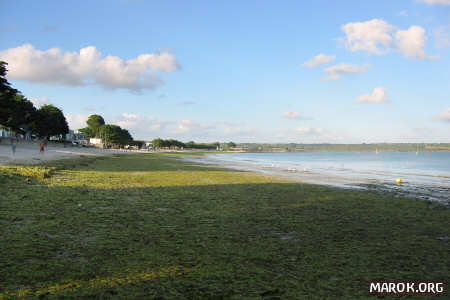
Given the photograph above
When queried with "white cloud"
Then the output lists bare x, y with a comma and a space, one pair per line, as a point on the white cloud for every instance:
431, 2
87, 67
411, 43
335, 72
184, 126
378, 95
318, 60
148, 127
77, 121
306, 134
292, 115
188, 125
374, 36
39, 101
140, 124
145, 127
379, 37
231, 124
445, 116
442, 37
310, 130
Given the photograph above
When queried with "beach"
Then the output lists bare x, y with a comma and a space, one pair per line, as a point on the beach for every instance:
152, 225
30, 154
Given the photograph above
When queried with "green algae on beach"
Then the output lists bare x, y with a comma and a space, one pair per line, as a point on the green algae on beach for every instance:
152, 226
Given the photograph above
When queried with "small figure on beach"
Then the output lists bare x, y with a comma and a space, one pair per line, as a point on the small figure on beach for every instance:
42, 148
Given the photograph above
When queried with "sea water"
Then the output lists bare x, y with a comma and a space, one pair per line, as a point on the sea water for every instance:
424, 175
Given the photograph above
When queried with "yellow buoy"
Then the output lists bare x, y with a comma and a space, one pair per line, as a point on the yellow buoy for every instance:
399, 181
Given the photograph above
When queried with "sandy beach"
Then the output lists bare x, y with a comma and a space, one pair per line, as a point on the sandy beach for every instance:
30, 154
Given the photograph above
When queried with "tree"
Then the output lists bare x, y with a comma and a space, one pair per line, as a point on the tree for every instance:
50, 121
94, 122
20, 114
7, 97
158, 143
125, 137
87, 132
190, 144
231, 145
5, 86
114, 135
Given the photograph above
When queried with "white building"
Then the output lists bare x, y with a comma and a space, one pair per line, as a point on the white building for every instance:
95, 141
5, 132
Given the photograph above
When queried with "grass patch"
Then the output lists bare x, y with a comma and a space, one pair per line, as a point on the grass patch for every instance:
153, 227
35, 172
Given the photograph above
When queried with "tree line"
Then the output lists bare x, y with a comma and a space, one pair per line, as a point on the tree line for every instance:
19, 114
161, 144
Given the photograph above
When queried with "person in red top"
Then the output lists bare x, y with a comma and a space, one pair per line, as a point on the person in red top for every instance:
42, 147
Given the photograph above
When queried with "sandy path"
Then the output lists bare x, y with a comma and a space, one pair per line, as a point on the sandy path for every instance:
29, 154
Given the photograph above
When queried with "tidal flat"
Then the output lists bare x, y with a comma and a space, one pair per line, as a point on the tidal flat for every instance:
151, 226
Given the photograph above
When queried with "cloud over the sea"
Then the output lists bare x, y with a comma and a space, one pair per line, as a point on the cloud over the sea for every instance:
87, 67
378, 95
444, 116
291, 115
379, 37
318, 60
147, 127
335, 72
439, 2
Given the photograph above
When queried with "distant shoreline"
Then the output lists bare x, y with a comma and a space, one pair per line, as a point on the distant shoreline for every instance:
347, 178
377, 147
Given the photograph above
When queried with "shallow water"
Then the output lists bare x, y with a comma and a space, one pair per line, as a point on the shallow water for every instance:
425, 175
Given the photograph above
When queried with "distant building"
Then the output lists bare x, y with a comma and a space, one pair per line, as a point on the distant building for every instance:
5, 132
95, 141
79, 138
70, 136
149, 146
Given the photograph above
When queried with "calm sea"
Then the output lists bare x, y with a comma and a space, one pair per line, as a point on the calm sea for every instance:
424, 175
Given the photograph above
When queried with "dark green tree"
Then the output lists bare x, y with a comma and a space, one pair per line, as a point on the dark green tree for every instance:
158, 143
7, 98
50, 121
125, 137
20, 114
114, 135
190, 144
94, 122
231, 145
87, 132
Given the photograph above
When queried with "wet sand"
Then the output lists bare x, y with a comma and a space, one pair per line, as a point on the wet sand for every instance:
428, 192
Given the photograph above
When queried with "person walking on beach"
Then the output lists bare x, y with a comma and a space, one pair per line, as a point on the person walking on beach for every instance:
42, 148
13, 148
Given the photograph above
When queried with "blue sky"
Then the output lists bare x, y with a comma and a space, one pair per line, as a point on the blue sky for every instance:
237, 70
